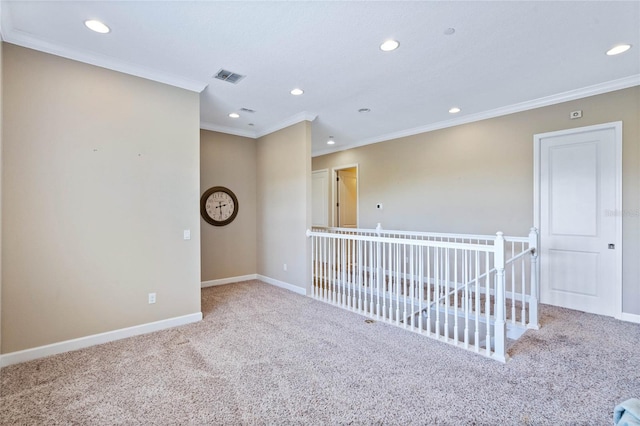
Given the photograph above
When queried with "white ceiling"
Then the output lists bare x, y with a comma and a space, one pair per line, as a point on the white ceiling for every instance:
503, 57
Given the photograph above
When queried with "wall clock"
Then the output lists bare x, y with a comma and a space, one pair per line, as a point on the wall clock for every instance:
218, 206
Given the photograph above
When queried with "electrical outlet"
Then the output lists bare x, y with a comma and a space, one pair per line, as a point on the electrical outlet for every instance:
284, 267
186, 234
152, 298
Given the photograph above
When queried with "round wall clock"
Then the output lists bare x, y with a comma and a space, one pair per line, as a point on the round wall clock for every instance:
218, 206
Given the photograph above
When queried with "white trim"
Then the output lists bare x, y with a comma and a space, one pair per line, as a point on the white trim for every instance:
302, 116
596, 89
228, 130
617, 126
334, 177
229, 280
282, 284
95, 339
20, 38
630, 317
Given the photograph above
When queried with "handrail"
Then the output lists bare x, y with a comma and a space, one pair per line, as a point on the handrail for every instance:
420, 233
423, 243
479, 277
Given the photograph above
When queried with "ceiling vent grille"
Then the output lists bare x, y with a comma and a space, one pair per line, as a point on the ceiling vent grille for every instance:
229, 76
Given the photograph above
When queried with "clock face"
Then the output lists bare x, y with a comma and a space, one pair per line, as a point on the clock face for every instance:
218, 206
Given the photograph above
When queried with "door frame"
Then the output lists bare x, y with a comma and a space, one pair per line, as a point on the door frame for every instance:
334, 195
617, 127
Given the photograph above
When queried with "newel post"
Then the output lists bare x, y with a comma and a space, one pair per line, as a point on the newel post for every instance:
312, 263
535, 288
500, 325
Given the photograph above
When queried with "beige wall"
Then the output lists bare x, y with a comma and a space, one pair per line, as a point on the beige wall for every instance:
230, 161
284, 204
100, 178
1, 47
478, 177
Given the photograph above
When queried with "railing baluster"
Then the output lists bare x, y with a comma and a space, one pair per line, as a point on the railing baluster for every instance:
387, 285
436, 291
332, 255
371, 276
360, 272
322, 277
455, 296
523, 312
477, 303
398, 282
354, 280
343, 273
445, 293
487, 303
513, 285
429, 285
421, 284
412, 285
466, 299
378, 277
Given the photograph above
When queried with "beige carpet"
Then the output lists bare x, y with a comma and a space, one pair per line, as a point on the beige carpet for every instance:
263, 355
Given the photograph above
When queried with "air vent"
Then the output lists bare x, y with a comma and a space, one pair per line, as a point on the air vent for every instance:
247, 110
229, 76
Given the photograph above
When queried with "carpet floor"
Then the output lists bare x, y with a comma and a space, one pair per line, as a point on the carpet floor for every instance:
263, 355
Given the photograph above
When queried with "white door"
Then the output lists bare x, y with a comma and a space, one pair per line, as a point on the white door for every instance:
320, 198
579, 191
347, 183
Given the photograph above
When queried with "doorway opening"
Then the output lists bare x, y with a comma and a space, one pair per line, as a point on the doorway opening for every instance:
345, 196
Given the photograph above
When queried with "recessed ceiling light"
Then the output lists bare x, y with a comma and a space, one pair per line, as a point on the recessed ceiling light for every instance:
297, 92
97, 26
449, 31
454, 110
234, 115
389, 45
331, 141
616, 50
364, 110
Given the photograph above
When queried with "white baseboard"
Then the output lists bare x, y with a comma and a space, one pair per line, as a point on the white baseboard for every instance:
630, 317
95, 339
230, 280
282, 284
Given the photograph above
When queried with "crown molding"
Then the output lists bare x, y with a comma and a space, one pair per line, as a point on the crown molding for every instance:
25, 40
302, 116
228, 130
596, 89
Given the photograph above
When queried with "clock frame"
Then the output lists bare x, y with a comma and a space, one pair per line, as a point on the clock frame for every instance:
206, 213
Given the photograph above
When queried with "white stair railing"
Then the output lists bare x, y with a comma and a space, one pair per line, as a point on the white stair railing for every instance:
450, 287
